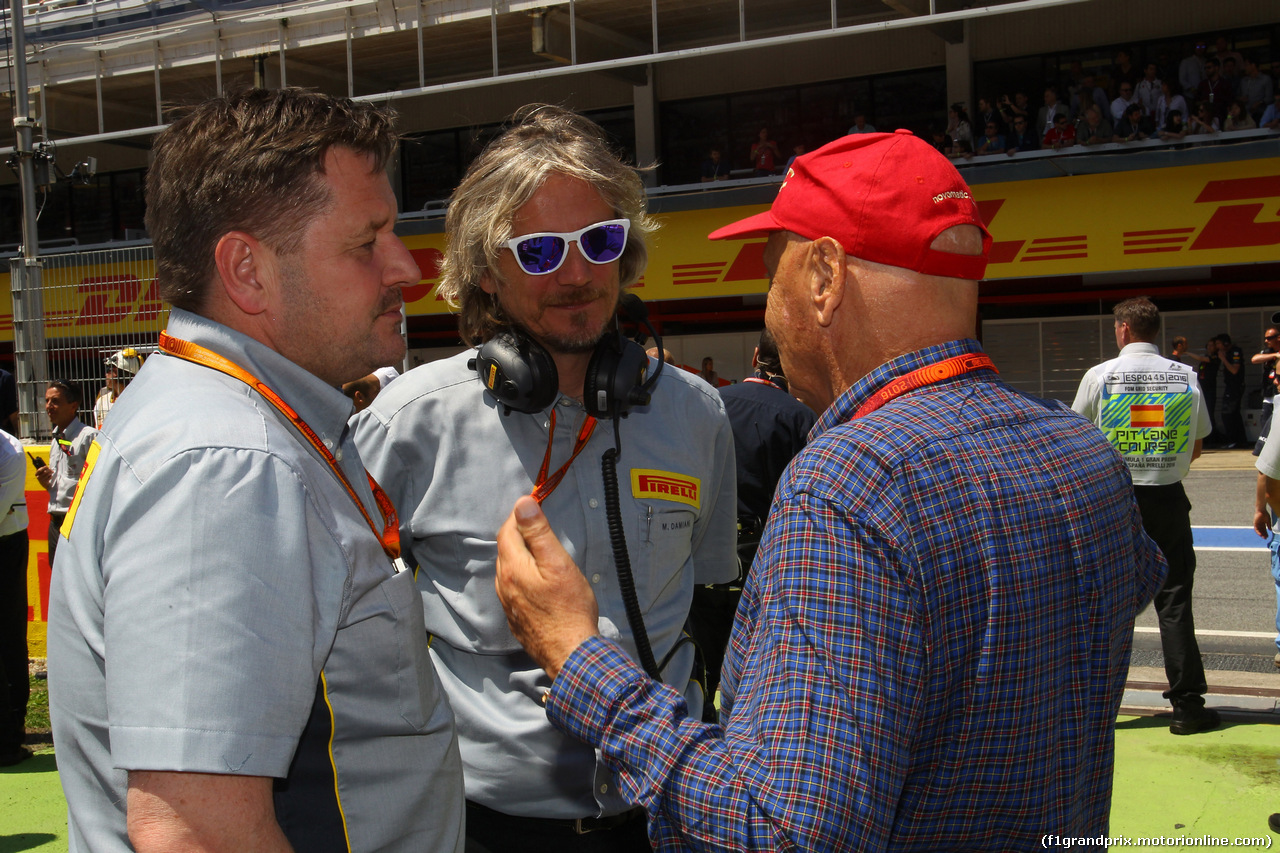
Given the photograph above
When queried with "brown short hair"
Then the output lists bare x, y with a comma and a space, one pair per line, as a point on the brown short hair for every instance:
542, 140
71, 392
248, 161
1141, 316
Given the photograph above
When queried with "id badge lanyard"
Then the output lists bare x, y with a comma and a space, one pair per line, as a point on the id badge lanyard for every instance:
389, 535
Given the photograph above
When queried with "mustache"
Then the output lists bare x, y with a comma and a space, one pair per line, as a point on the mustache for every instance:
393, 299
578, 298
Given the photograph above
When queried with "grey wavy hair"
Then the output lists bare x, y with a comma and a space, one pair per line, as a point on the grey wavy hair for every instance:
541, 140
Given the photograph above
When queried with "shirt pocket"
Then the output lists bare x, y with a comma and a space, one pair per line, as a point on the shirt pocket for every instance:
416, 688
668, 534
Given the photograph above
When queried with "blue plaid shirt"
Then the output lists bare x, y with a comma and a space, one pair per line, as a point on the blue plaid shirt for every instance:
930, 651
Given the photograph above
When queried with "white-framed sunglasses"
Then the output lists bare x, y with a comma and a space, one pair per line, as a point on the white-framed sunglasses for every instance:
544, 253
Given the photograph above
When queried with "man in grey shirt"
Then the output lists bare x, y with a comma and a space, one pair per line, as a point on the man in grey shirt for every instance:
545, 229
234, 663
70, 445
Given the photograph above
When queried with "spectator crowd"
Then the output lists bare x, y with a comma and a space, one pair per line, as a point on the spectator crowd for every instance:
1213, 89
1207, 93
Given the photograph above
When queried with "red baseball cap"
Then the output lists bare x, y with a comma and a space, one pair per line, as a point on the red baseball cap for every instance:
884, 196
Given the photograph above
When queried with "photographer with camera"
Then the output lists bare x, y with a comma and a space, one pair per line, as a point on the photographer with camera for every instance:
1019, 107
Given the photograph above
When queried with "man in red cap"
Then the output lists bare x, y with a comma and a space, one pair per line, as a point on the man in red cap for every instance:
932, 645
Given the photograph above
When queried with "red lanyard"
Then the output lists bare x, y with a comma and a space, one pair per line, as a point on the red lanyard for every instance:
390, 535
927, 375
546, 485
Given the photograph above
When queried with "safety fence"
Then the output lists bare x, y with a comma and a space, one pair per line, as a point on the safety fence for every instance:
73, 311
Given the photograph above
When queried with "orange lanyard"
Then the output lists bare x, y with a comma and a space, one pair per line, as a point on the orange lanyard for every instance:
546, 485
927, 375
390, 535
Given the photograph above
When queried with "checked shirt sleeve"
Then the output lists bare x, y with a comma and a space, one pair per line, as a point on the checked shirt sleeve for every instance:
813, 755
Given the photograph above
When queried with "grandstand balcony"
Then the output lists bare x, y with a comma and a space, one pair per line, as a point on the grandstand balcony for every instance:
1194, 223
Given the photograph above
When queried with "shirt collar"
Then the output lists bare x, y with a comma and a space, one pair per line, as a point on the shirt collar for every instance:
1140, 348
74, 426
324, 408
862, 390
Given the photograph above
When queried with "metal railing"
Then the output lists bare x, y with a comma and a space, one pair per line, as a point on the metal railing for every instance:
93, 304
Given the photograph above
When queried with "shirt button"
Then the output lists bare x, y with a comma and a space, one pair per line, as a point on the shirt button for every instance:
337, 454
593, 503
328, 442
604, 789
595, 578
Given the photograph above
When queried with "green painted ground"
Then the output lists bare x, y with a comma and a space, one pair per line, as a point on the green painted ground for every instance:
1222, 784
33, 815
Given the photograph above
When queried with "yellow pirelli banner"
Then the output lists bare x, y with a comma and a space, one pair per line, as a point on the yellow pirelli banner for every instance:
1183, 216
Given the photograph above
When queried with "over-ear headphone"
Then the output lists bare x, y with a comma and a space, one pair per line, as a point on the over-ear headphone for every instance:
522, 376
518, 372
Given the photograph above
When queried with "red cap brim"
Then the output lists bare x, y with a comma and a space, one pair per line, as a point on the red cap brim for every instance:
760, 225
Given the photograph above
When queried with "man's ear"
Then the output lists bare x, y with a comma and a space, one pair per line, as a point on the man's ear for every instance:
829, 273
245, 270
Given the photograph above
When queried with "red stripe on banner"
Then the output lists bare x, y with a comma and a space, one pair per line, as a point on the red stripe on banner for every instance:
1160, 231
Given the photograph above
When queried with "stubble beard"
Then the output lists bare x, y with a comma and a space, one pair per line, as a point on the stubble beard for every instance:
583, 338
319, 346
395, 349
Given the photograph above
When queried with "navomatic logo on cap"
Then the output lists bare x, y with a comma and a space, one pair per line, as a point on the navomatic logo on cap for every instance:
884, 196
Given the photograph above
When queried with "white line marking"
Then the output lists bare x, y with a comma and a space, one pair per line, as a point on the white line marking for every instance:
1250, 550
1201, 632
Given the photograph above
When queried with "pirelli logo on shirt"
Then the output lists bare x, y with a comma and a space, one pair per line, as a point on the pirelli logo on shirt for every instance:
665, 486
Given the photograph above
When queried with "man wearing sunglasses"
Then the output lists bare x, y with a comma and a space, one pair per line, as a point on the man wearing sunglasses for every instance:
544, 231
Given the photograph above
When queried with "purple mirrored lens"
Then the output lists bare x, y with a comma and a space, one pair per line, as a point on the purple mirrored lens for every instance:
603, 243
540, 254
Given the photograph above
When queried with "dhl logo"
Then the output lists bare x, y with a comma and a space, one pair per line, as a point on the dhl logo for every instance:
1194, 215
1243, 215
665, 485
84, 300
1073, 227
98, 300
1232, 226
1146, 415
